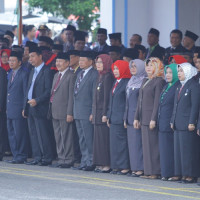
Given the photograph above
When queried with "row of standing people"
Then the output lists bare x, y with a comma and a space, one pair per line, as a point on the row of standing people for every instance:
106, 107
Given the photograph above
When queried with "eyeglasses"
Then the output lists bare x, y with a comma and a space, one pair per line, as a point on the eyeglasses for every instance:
99, 62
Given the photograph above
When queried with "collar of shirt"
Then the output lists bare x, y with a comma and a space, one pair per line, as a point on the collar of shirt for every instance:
16, 70
39, 68
63, 72
87, 70
119, 80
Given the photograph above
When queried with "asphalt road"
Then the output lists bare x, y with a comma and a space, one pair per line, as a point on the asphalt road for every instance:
45, 183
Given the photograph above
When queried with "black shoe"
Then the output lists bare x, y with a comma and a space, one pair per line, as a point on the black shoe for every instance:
56, 165
79, 168
114, 172
97, 170
89, 168
164, 178
33, 162
137, 175
193, 180
44, 163
123, 173
106, 171
65, 165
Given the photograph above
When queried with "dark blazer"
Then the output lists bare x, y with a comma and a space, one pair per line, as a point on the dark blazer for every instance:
148, 100
84, 98
105, 49
41, 92
62, 104
169, 51
16, 93
131, 106
166, 108
3, 89
186, 107
101, 97
157, 52
117, 103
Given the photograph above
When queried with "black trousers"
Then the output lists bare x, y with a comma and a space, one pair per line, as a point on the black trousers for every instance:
40, 137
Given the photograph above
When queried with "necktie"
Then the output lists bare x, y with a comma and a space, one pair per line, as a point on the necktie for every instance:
180, 92
55, 87
30, 92
13, 76
114, 87
79, 82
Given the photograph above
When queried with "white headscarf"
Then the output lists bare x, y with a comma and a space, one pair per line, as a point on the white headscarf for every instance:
189, 72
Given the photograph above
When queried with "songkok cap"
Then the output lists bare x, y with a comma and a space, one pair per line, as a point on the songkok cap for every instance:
154, 31
116, 36
16, 54
62, 55
131, 53
191, 35
71, 28
88, 54
115, 49
74, 52
43, 27
79, 35
10, 33
102, 31
35, 49
58, 47
46, 39
30, 44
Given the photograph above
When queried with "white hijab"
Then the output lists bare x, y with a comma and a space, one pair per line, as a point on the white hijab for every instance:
189, 72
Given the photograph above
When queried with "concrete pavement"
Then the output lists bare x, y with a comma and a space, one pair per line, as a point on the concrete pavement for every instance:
45, 183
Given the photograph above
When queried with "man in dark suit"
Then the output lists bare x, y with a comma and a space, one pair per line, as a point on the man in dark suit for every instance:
3, 89
176, 46
116, 40
17, 125
101, 38
189, 41
61, 104
36, 107
83, 98
154, 50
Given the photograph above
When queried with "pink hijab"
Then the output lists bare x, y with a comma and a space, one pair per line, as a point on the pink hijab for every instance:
107, 63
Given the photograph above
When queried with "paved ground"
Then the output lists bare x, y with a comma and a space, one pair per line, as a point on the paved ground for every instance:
19, 182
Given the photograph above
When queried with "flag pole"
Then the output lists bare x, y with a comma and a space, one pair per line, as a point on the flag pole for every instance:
20, 22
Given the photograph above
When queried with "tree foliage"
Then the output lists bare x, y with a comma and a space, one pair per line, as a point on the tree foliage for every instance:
82, 9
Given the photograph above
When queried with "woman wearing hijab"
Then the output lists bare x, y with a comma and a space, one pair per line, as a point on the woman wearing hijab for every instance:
5, 54
184, 123
137, 69
146, 116
118, 134
101, 149
166, 136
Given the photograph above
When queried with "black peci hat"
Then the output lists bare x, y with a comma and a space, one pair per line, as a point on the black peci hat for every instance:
62, 55
16, 54
46, 39
79, 35
58, 47
88, 54
115, 49
132, 53
30, 44
191, 35
102, 31
74, 52
116, 36
71, 28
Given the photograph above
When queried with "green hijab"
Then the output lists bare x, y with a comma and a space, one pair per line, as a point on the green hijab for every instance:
174, 69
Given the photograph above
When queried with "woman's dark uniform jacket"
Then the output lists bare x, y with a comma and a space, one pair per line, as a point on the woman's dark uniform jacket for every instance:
166, 108
101, 98
117, 105
186, 107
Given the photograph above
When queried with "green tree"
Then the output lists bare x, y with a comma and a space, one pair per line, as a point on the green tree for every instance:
82, 9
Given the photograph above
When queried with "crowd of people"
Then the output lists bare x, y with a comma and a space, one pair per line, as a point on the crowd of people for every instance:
111, 109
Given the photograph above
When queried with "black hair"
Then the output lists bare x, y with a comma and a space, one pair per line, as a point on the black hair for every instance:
139, 36
177, 32
29, 28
